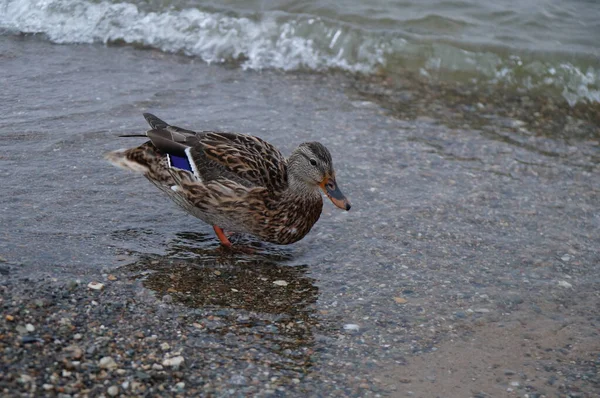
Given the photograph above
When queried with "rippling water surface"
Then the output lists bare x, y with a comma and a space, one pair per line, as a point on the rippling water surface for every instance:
538, 44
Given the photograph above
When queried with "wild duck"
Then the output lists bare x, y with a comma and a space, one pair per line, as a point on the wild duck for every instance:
235, 182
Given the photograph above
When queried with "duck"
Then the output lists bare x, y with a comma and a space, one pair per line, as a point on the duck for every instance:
237, 183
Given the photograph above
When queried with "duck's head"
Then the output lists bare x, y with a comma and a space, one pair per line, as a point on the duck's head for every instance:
311, 166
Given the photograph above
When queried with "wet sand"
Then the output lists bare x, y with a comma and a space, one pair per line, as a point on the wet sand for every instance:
469, 261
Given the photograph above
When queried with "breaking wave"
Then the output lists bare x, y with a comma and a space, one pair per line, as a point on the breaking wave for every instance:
290, 42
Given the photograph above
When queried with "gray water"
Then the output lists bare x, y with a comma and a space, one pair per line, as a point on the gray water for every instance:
450, 219
547, 45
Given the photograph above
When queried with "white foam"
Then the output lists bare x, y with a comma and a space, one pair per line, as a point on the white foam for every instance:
265, 43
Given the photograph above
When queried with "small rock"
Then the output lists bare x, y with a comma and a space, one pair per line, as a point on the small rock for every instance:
164, 346
21, 329
111, 277
66, 373
280, 283
77, 336
509, 372
514, 383
107, 363
482, 310
24, 379
180, 386
48, 387
400, 300
95, 285
157, 366
31, 340
113, 391
174, 362
74, 351
238, 380
29, 327
125, 385
352, 327
565, 284
566, 258
10, 318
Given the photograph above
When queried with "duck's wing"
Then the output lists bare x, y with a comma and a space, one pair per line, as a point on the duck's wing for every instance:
210, 155
248, 157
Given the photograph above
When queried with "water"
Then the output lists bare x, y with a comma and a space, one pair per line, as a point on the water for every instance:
452, 219
540, 45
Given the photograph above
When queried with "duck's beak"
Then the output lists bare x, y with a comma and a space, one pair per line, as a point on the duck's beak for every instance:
331, 189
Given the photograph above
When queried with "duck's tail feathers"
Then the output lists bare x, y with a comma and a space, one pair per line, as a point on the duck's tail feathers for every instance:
128, 159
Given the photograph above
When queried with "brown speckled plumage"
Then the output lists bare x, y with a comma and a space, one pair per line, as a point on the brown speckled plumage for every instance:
238, 182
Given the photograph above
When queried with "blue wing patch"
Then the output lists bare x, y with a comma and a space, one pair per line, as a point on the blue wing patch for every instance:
180, 163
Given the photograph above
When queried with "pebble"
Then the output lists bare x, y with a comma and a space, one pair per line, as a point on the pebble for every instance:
565, 284
164, 346
111, 277
10, 318
400, 300
95, 285
157, 366
482, 310
180, 386
280, 283
238, 380
107, 363
174, 362
77, 336
48, 387
75, 351
351, 326
113, 391
24, 379
29, 327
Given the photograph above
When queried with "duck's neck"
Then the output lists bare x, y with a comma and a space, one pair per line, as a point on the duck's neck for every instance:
297, 210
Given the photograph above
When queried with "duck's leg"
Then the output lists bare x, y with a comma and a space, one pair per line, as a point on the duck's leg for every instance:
222, 237
226, 243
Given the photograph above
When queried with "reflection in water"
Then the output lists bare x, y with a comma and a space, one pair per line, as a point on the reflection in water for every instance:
253, 298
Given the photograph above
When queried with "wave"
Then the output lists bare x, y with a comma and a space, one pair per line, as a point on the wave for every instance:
289, 42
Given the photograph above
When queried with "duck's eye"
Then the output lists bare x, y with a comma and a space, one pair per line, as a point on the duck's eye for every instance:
313, 162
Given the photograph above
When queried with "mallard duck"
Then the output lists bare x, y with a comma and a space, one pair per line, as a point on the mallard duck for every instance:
235, 182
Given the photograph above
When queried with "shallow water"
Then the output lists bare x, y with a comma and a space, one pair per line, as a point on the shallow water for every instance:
449, 219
